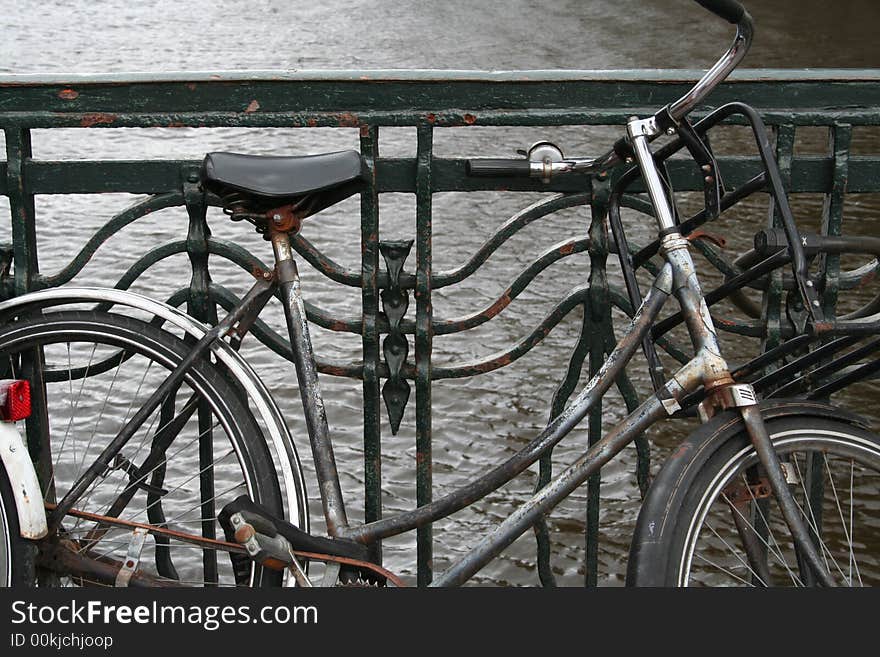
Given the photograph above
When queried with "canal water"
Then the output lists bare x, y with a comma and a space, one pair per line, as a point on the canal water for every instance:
477, 422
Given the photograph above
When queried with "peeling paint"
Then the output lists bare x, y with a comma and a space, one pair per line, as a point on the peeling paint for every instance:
348, 120
97, 118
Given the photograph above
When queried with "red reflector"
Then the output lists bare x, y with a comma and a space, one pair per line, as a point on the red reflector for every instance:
15, 400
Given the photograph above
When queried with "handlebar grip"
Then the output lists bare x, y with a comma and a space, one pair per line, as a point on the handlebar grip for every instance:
519, 168
730, 10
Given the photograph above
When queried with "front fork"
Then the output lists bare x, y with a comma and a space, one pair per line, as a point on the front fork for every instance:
722, 391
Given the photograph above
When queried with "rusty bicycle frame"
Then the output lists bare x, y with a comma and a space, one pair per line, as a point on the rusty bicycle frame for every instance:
707, 373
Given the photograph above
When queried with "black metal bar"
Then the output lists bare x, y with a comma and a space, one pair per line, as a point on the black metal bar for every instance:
830, 367
423, 346
201, 307
780, 351
811, 358
369, 143
600, 318
843, 381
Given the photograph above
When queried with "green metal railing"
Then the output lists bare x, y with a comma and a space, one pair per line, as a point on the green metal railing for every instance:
397, 341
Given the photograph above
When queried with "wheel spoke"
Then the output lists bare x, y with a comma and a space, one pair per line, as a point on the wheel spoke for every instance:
813, 524
773, 549
846, 532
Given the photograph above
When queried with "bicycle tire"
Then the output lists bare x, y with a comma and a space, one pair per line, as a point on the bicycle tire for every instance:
16, 558
687, 534
97, 366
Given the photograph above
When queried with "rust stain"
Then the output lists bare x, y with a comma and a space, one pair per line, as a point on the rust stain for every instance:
68, 94
96, 118
681, 451
252, 107
348, 120
868, 278
431, 118
312, 123
176, 124
500, 304
191, 86
712, 237
470, 119
567, 249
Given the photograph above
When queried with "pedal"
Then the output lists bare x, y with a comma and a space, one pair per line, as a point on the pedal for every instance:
271, 541
273, 552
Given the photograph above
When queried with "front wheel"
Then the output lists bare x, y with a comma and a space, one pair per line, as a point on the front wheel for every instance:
710, 518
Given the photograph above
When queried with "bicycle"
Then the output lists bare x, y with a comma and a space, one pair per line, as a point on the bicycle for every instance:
204, 404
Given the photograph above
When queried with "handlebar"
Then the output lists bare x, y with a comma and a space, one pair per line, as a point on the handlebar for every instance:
524, 168
728, 10
731, 11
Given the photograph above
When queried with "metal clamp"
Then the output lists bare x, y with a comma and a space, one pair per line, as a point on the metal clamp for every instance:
133, 557
733, 395
644, 127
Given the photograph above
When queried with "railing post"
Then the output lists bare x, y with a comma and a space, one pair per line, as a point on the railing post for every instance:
200, 306
26, 270
21, 205
600, 320
423, 346
774, 297
840, 141
369, 141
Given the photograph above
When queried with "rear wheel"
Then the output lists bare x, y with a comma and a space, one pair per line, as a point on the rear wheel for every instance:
199, 450
711, 518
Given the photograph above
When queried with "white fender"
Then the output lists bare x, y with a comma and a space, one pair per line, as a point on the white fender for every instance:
23, 481
296, 505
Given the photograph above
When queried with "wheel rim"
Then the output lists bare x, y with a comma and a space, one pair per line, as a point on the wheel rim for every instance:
836, 481
6, 556
83, 416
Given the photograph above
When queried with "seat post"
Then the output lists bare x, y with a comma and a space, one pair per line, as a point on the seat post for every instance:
307, 377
